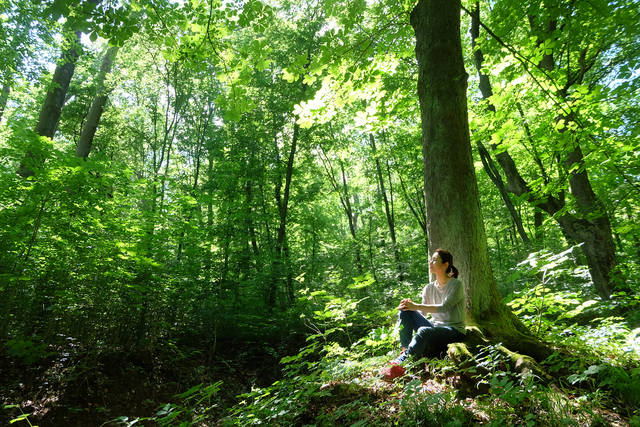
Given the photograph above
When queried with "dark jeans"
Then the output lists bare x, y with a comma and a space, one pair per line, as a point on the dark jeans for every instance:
426, 334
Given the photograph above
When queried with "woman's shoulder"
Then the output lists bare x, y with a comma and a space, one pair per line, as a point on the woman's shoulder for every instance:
455, 282
429, 285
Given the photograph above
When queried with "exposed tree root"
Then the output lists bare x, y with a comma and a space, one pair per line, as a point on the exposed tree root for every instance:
502, 326
521, 349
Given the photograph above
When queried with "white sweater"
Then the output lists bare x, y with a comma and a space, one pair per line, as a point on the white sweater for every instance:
450, 302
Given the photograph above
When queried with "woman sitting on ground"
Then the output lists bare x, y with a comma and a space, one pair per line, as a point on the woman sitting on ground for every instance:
444, 298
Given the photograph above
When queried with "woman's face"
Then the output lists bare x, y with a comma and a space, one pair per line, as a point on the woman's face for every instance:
436, 266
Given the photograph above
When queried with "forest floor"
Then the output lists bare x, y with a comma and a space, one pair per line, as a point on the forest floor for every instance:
83, 387
80, 387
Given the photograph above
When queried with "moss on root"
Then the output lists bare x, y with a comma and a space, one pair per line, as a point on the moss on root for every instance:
523, 351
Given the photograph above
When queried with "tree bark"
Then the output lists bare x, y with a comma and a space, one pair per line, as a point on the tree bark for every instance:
595, 228
287, 189
538, 220
495, 177
4, 98
97, 107
452, 202
56, 96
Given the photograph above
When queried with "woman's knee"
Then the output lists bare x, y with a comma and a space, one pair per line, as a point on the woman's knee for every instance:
424, 332
402, 315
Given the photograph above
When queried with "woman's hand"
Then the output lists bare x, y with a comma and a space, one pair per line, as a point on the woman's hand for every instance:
407, 305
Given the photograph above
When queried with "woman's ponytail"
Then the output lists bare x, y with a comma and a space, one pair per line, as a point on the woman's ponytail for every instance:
446, 256
452, 272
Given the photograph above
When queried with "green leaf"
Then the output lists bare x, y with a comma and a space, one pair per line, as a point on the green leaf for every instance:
189, 392
305, 123
19, 418
290, 77
309, 79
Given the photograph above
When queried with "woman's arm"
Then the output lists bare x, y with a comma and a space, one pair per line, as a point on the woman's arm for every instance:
453, 297
408, 305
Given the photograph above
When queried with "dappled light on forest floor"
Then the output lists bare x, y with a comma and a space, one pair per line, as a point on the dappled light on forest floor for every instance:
90, 390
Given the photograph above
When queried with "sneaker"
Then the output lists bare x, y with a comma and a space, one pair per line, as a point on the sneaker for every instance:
404, 355
392, 371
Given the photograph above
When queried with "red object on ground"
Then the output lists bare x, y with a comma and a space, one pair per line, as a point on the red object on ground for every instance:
392, 371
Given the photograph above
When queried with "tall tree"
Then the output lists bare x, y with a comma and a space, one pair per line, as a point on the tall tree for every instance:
23, 34
342, 189
453, 215
388, 210
55, 99
97, 107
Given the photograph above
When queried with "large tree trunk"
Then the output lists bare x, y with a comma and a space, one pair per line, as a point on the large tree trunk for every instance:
56, 96
453, 216
595, 228
97, 107
454, 221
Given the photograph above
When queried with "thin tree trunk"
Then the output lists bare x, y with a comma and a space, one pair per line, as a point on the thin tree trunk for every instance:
538, 220
495, 177
371, 263
352, 221
97, 107
4, 98
283, 207
387, 210
252, 230
287, 186
345, 201
202, 126
419, 217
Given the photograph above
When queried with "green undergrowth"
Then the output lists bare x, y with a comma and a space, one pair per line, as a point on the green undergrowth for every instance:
336, 379
175, 382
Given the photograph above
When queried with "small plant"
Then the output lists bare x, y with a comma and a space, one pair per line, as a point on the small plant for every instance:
502, 383
622, 383
21, 417
29, 349
193, 409
440, 409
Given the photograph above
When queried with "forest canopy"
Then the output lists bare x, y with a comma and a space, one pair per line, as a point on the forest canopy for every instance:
210, 172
